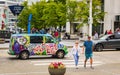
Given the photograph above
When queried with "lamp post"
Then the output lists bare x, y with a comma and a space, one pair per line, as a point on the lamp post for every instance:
90, 18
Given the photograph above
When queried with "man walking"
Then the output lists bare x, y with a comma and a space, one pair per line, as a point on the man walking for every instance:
88, 51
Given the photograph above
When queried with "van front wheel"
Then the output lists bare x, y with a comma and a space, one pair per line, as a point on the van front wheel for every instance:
24, 55
60, 54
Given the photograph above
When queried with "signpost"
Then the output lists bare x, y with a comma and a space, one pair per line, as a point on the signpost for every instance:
16, 10
29, 25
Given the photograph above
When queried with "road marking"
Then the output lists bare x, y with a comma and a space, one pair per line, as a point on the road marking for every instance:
42, 61
68, 63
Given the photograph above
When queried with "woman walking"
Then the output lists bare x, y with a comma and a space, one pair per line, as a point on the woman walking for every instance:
76, 53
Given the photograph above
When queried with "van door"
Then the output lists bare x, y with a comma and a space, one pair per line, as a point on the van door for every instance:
36, 44
50, 45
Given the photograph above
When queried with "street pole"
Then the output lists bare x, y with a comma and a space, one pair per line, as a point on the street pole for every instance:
90, 19
16, 31
29, 25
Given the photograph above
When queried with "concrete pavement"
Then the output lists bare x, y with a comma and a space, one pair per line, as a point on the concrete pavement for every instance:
12, 66
4, 46
70, 43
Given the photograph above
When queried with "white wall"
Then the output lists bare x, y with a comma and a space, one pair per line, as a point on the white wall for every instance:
112, 8
68, 27
109, 14
117, 6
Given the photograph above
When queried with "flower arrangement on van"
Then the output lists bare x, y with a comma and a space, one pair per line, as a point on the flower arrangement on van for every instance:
56, 65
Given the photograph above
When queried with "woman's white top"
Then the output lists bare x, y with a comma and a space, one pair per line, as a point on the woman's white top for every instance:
74, 50
96, 36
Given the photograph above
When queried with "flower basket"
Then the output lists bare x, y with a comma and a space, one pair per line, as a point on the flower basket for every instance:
57, 71
57, 68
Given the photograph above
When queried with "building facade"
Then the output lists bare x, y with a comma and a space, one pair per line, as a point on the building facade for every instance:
112, 16
7, 19
111, 19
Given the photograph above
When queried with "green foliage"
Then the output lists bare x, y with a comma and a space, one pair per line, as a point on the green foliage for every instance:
71, 10
82, 14
23, 17
44, 15
56, 12
62, 1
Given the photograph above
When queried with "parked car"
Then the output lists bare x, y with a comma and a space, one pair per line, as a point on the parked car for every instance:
107, 42
5, 35
25, 45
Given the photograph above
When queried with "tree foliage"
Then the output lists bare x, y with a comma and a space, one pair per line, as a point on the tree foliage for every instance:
44, 15
82, 14
71, 10
56, 12
23, 17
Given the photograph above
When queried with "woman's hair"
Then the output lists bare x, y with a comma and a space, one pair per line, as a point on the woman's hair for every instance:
76, 42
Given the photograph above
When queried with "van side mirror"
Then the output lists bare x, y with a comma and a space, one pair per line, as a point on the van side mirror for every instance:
52, 40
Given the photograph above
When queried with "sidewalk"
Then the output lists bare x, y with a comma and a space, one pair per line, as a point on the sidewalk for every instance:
68, 43
4, 46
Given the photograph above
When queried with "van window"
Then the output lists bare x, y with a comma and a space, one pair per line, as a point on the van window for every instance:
36, 39
49, 39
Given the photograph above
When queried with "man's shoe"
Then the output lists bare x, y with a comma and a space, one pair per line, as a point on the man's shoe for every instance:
85, 66
92, 67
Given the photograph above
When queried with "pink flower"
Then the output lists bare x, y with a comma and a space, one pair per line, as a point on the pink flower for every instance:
56, 65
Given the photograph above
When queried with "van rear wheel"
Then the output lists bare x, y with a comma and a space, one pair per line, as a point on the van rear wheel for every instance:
24, 55
60, 54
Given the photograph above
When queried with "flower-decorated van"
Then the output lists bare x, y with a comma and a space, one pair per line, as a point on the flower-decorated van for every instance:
25, 45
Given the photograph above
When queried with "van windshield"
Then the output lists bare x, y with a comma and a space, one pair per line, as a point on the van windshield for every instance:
49, 39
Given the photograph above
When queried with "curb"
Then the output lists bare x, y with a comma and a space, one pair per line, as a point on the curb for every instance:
69, 46
4, 48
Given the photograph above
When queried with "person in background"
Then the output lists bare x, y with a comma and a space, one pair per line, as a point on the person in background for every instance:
33, 30
117, 29
42, 31
76, 53
109, 32
88, 52
56, 34
96, 35
117, 33
106, 32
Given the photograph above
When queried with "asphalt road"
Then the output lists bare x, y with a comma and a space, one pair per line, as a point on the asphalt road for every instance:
105, 63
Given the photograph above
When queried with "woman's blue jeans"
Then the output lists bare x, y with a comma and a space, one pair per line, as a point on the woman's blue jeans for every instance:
76, 58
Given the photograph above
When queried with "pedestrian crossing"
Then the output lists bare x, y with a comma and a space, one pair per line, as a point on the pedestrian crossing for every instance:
69, 63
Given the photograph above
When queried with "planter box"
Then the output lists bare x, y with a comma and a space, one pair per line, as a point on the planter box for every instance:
57, 71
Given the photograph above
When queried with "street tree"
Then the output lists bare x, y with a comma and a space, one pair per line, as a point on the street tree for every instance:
44, 14
54, 14
71, 12
62, 1
82, 14
23, 17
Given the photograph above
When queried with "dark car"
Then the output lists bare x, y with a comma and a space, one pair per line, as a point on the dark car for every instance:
107, 42
4, 34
